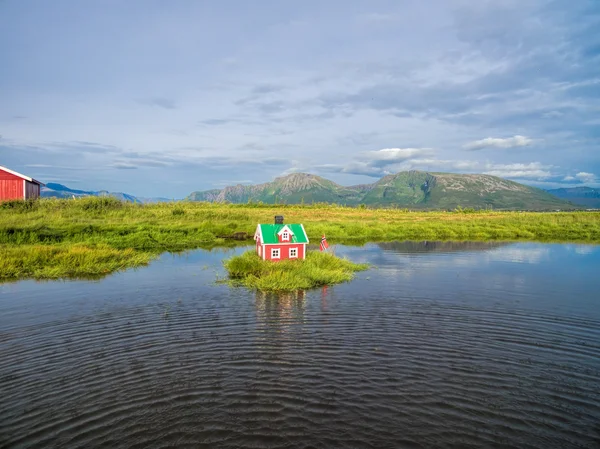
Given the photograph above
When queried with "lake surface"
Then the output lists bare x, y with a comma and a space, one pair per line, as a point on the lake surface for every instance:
462, 345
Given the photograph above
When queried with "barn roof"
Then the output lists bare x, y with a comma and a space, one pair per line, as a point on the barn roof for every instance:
26, 178
269, 233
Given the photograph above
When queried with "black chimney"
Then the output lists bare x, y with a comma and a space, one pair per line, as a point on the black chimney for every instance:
278, 219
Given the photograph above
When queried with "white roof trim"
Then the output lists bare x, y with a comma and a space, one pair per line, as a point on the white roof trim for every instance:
258, 233
285, 227
26, 178
305, 234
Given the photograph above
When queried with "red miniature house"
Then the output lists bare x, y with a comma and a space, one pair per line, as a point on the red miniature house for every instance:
280, 241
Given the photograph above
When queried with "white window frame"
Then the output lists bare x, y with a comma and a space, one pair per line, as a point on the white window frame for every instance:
285, 236
275, 251
259, 250
295, 254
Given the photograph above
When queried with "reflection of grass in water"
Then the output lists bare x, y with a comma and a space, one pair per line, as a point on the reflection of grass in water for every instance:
288, 275
95, 236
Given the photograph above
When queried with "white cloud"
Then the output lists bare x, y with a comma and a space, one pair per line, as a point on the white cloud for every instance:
495, 142
520, 255
389, 156
442, 165
376, 164
389, 161
364, 168
533, 170
585, 177
584, 250
383, 162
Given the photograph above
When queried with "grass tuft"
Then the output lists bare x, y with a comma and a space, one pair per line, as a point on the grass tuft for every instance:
73, 261
317, 270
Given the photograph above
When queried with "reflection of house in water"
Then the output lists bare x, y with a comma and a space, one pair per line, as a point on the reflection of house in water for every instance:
280, 310
439, 247
279, 325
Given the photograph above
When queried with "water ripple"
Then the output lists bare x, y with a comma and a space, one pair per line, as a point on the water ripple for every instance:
356, 366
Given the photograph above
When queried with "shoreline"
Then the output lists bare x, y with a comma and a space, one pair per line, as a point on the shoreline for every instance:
54, 239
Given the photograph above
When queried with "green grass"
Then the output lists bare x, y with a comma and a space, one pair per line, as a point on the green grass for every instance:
290, 275
135, 234
74, 261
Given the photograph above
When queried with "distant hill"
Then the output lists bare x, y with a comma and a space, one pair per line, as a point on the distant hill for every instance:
584, 196
54, 190
412, 189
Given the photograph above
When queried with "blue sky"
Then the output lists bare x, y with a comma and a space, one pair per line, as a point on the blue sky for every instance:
159, 98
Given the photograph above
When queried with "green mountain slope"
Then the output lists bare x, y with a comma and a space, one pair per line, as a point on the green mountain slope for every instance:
294, 188
413, 189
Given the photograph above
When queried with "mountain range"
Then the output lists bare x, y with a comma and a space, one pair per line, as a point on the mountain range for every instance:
584, 196
411, 189
54, 190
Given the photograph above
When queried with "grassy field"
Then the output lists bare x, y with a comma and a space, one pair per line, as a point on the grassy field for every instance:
52, 238
290, 275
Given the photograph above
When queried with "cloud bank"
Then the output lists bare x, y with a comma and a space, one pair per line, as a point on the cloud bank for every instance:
351, 89
494, 142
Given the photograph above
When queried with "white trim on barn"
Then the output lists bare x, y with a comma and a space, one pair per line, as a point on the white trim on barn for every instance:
12, 172
26, 178
24, 189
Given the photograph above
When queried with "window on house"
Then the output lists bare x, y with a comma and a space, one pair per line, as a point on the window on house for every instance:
285, 235
260, 251
275, 253
293, 252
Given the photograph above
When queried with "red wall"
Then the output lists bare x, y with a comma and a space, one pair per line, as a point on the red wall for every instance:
6, 176
11, 190
11, 186
284, 251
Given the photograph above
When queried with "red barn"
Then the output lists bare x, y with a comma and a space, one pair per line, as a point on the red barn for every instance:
15, 186
280, 241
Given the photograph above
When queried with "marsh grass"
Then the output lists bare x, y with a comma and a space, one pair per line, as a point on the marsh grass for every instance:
73, 261
317, 270
130, 233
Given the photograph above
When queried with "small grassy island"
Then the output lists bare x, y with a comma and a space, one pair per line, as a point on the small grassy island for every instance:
317, 270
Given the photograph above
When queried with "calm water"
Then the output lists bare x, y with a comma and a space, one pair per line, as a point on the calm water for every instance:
442, 345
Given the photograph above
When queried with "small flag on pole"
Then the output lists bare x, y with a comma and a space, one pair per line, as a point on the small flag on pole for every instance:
324, 244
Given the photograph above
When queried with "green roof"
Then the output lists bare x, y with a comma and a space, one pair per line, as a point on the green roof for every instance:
269, 233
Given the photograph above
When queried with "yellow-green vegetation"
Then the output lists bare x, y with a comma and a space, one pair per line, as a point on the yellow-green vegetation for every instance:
78, 261
318, 269
137, 233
